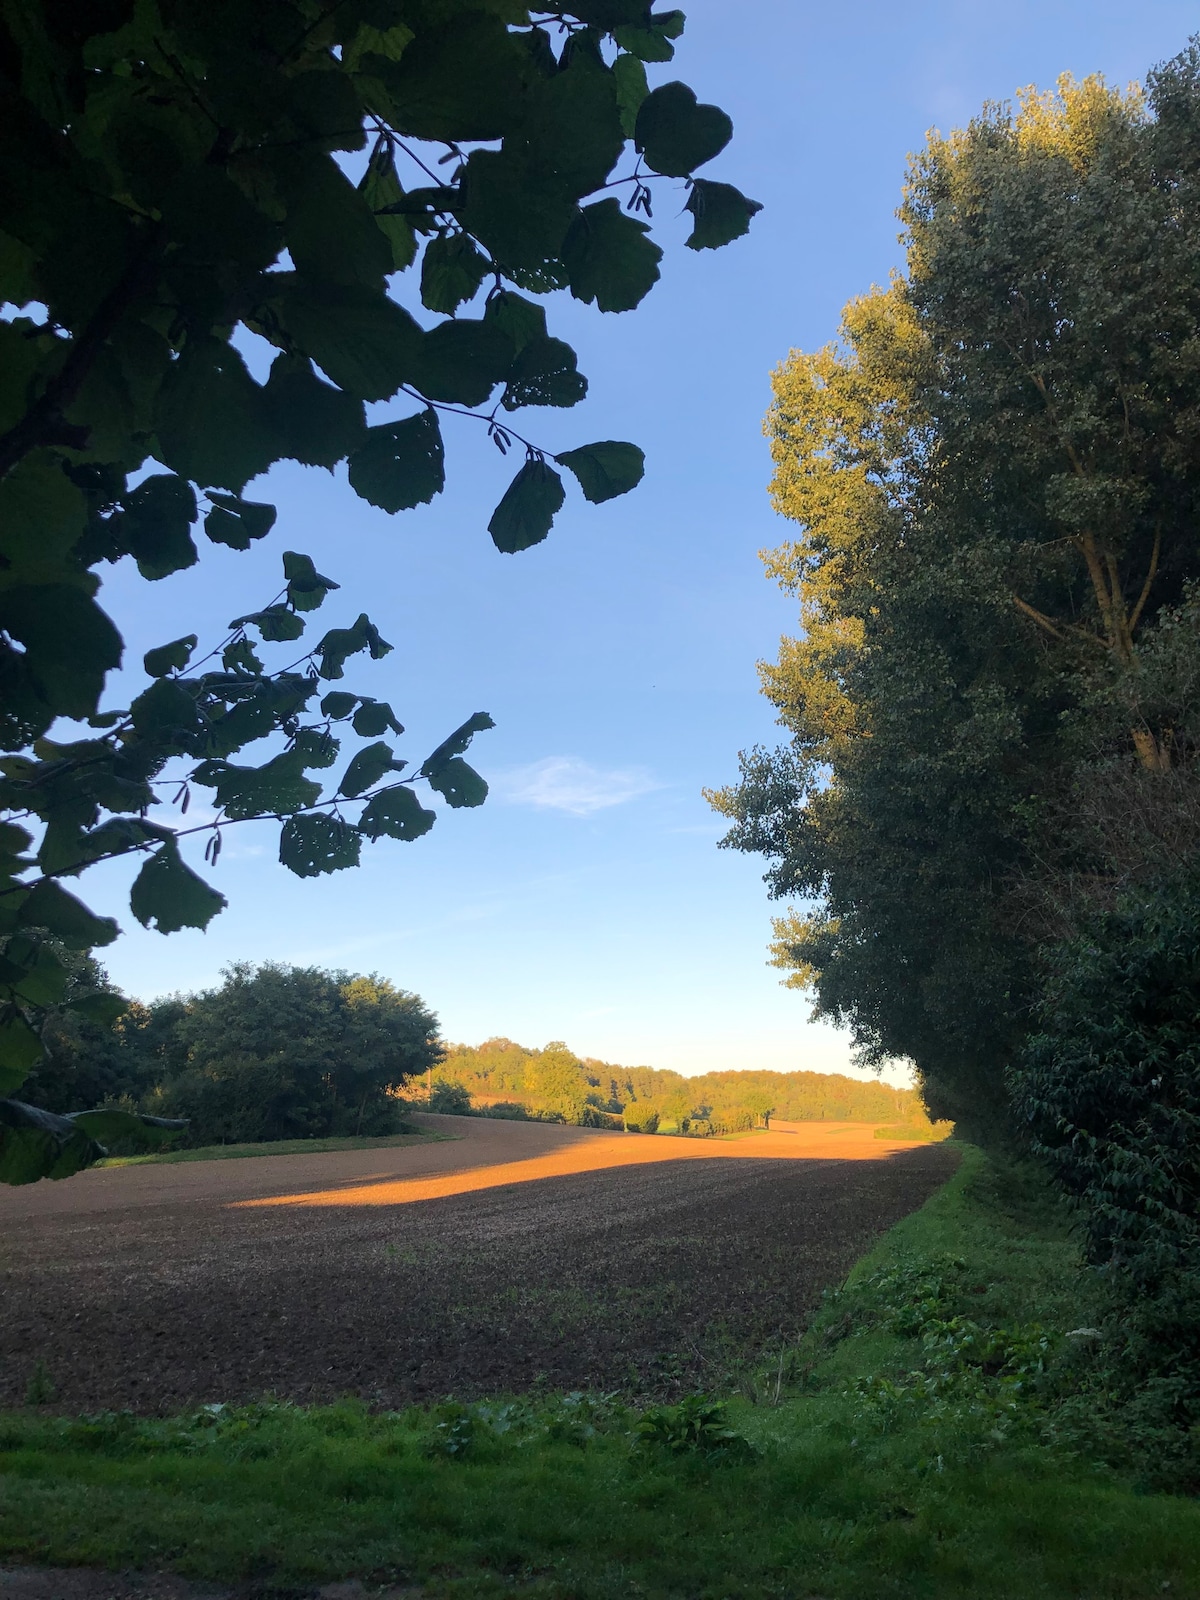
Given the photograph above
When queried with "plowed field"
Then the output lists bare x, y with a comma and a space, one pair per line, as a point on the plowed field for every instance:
518, 1253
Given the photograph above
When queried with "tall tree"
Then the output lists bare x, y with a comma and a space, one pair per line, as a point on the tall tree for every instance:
176, 180
995, 477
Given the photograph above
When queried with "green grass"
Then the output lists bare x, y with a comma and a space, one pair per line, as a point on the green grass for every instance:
911, 1446
278, 1147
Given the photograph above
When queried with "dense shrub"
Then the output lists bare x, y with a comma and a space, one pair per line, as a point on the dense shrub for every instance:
1109, 1091
450, 1099
290, 1052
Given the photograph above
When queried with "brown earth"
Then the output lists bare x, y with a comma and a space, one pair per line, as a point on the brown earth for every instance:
518, 1253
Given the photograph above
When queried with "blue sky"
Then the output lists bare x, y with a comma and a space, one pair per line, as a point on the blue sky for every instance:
587, 901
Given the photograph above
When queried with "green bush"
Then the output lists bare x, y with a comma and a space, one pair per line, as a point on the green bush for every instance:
1109, 1090
450, 1099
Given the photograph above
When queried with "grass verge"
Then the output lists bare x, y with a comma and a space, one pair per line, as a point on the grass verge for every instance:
278, 1147
918, 1443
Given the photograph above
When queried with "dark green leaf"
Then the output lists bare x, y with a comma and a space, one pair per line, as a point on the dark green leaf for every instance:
527, 511
381, 188
461, 362
629, 75
169, 657
520, 219
212, 424
306, 587
676, 134
315, 747
722, 214
611, 14
155, 526
522, 320
31, 971
458, 742
366, 343
330, 228
37, 1144
338, 704
108, 1125
278, 786
367, 767
339, 643
240, 657
168, 895
458, 81
49, 906
570, 134
237, 522
20, 1048
544, 374
69, 646
458, 784
312, 422
374, 717
605, 469
166, 713
276, 624
401, 464
103, 1009
396, 813
311, 845
609, 257
451, 271
646, 44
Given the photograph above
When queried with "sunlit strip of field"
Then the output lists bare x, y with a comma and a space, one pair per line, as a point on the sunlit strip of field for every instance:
594, 1152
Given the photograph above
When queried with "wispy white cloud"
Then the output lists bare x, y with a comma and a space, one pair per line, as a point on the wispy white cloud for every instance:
566, 783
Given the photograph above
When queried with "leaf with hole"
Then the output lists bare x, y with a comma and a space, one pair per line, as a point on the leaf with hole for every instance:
401, 464
544, 374
311, 845
458, 784
457, 742
395, 814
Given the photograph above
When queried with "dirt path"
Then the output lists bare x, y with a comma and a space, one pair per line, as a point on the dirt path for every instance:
518, 1252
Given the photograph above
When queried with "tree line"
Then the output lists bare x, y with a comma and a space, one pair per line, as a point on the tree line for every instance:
500, 1078
987, 813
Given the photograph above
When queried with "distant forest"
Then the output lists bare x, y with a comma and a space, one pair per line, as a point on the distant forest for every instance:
502, 1078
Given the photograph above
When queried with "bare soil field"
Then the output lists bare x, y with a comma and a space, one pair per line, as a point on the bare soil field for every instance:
515, 1254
